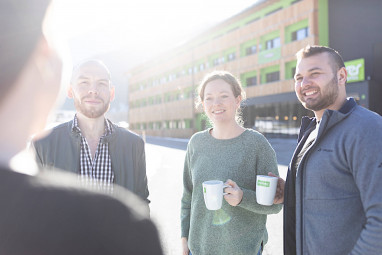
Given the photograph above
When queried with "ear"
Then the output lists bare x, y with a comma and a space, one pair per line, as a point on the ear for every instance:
112, 93
238, 101
70, 92
342, 75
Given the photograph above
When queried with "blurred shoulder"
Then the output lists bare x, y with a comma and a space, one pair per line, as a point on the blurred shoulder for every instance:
56, 131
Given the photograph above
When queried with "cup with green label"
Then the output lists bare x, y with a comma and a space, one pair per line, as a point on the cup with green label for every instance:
265, 189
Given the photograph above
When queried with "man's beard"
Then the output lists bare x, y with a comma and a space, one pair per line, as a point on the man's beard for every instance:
328, 95
91, 112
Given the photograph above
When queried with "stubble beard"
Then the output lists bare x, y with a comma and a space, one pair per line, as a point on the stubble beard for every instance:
327, 98
92, 112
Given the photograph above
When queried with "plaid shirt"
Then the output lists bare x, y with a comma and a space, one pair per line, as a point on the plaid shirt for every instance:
95, 173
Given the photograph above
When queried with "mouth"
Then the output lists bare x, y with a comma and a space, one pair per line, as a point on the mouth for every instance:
310, 93
218, 111
92, 101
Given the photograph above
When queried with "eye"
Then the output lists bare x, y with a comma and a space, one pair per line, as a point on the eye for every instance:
83, 83
298, 79
315, 74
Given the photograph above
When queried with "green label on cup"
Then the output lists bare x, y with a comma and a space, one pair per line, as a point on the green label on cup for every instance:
205, 190
263, 183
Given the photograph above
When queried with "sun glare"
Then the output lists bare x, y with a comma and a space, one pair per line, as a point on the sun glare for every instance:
106, 25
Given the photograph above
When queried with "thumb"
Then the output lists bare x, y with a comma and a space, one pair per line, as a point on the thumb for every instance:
272, 174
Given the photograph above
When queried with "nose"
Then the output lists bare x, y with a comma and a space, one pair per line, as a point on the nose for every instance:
217, 101
304, 82
93, 88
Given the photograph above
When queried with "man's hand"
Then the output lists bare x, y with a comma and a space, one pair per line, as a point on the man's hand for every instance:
279, 197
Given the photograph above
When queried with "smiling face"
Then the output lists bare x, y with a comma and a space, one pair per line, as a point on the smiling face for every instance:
219, 102
316, 83
91, 89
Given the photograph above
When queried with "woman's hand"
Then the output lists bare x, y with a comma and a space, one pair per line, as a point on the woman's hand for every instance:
279, 197
185, 250
234, 193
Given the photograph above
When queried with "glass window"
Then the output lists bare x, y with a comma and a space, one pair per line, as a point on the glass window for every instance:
251, 81
300, 34
271, 77
231, 56
250, 50
273, 43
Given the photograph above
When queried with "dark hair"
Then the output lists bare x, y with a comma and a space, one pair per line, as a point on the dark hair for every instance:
311, 50
229, 78
20, 30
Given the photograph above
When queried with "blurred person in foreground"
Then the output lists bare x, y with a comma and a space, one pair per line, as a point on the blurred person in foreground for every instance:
48, 214
333, 191
90, 145
226, 152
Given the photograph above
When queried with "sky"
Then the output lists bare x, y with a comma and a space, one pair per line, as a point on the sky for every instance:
144, 27
124, 33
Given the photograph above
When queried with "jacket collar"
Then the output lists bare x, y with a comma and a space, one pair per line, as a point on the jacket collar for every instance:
329, 118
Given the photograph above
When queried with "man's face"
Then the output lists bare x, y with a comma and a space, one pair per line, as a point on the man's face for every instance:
316, 85
91, 90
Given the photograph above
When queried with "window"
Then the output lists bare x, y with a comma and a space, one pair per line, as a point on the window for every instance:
231, 56
250, 50
273, 43
252, 20
295, 1
300, 34
271, 12
271, 77
216, 62
251, 81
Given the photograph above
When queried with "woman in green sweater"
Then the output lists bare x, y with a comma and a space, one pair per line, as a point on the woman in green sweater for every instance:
234, 155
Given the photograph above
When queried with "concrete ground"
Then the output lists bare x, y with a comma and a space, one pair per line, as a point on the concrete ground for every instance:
165, 159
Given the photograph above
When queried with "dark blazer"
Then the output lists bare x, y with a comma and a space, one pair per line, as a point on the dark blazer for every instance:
61, 149
49, 214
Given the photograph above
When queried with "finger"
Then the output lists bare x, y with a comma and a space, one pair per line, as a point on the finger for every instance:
231, 183
272, 174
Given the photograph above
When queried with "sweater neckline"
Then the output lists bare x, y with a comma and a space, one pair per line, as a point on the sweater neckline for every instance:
230, 140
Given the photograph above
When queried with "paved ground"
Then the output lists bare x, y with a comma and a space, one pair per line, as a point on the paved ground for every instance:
164, 169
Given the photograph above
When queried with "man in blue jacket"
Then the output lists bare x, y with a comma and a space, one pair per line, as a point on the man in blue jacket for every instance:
100, 152
333, 191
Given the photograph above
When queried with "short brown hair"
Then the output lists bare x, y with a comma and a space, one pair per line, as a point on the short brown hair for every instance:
311, 50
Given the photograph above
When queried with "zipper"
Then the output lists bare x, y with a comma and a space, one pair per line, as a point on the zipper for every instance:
303, 163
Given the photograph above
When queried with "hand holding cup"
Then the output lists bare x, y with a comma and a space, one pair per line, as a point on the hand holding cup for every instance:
234, 193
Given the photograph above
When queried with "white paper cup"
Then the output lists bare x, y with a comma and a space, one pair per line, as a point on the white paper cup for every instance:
265, 189
213, 194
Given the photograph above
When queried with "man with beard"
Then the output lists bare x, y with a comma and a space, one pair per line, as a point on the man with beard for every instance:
333, 192
100, 152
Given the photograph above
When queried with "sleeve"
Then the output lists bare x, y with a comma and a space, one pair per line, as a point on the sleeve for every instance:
366, 165
142, 188
33, 148
265, 161
187, 196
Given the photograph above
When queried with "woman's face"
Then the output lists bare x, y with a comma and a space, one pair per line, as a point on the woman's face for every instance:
219, 102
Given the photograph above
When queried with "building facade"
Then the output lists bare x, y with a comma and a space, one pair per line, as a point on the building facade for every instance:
258, 46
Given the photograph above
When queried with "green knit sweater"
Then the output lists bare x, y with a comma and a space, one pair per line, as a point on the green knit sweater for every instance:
232, 229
